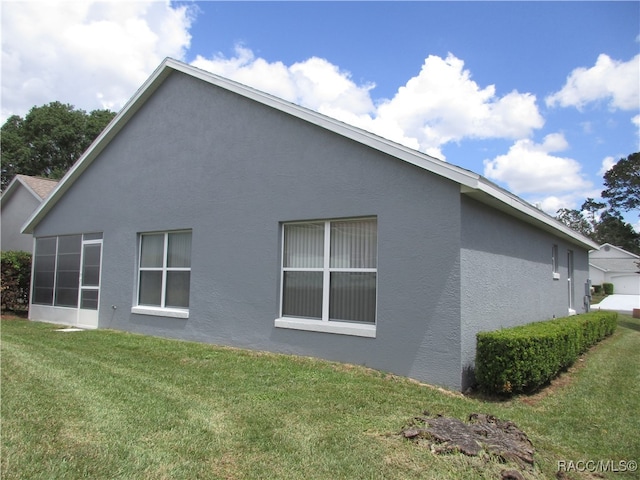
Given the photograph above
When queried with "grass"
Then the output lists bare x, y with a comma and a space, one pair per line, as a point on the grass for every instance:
104, 404
596, 298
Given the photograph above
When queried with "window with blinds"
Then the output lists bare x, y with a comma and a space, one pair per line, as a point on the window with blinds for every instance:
329, 270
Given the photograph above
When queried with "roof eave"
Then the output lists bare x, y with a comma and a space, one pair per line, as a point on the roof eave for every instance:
101, 141
13, 185
620, 249
470, 183
597, 267
407, 154
169, 65
500, 199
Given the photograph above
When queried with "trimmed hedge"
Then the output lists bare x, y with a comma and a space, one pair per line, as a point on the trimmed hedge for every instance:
524, 358
608, 288
16, 279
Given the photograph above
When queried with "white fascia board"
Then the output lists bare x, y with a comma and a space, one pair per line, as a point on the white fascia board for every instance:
602, 269
11, 188
628, 254
422, 160
101, 141
439, 167
529, 211
29, 189
469, 181
13, 185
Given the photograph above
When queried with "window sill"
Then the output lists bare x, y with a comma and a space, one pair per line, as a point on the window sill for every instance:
341, 328
160, 312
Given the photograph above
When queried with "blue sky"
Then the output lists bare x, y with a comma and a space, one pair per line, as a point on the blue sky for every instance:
540, 97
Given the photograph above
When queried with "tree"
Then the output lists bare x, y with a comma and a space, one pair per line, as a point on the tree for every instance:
585, 220
593, 212
49, 140
614, 230
575, 220
607, 227
603, 222
623, 184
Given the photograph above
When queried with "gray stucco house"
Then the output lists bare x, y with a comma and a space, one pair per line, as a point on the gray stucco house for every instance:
19, 200
210, 211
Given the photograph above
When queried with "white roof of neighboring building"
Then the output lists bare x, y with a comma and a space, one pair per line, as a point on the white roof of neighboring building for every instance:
609, 258
471, 184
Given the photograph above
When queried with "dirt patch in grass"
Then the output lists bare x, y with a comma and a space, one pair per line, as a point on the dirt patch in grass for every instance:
11, 315
483, 433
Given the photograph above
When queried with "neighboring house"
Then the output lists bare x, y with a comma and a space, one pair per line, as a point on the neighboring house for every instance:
611, 264
19, 200
210, 211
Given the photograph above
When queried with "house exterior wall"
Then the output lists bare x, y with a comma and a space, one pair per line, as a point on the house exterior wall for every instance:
199, 157
617, 266
507, 276
16, 209
597, 276
611, 256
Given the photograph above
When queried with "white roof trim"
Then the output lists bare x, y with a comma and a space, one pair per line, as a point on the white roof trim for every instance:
471, 183
602, 269
620, 249
13, 185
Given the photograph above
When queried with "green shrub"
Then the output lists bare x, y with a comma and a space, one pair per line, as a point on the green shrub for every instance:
608, 288
524, 358
597, 289
15, 267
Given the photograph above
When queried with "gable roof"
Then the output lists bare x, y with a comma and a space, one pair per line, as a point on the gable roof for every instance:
616, 260
618, 252
39, 187
471, 184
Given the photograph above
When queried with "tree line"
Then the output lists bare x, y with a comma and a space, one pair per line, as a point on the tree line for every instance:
48, 140
602, 221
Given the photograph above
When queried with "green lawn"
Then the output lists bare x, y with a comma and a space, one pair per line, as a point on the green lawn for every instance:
596, 298
111, 405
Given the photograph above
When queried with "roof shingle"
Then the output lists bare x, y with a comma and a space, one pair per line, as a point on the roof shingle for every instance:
41, 186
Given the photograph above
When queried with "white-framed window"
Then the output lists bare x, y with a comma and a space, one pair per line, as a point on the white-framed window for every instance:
555, 272
329, 276
164, 274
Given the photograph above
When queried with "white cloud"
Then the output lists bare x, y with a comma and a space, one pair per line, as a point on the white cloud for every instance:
314, 83
442, 104
439, 105
613, 80
96, 54
90, 54
531, 168
552, 203
607, 164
